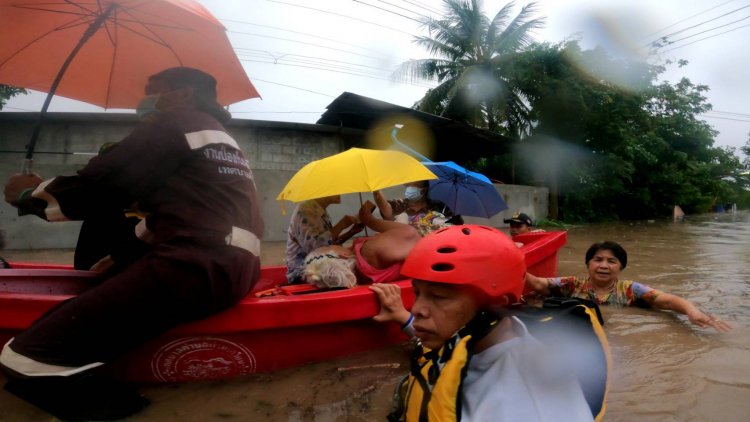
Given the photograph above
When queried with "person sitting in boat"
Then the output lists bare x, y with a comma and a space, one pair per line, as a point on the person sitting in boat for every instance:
203, 224
520, 223
416, 208
310, 228
374, 259
476, 361
605, 260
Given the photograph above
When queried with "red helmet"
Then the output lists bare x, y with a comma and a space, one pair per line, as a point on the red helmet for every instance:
469, 254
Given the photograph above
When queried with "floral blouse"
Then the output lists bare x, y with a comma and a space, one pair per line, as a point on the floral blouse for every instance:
426, 220
309, 228
624, 292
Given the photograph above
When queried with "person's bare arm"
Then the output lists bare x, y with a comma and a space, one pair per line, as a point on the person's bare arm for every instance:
356, 228
386, 211
538, 284
696, 316
345, 222
378, 224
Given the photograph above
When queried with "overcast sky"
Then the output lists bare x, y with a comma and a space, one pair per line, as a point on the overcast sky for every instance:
301, 54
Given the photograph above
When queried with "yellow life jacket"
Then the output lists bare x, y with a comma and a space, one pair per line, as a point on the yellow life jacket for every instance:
432, 389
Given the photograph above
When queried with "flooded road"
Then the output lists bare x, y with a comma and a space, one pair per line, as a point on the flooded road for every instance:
665, 369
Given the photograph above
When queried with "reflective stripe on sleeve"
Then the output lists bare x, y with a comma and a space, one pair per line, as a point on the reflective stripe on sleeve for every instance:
53, 211
142, 232
244, 239
207, 137
30, 367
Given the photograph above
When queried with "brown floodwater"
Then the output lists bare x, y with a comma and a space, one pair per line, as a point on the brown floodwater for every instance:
664, 368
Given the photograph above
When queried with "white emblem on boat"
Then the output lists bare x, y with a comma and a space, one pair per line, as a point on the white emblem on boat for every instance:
198, 358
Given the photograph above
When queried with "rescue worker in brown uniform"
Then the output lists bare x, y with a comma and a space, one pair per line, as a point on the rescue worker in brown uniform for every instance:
202, 227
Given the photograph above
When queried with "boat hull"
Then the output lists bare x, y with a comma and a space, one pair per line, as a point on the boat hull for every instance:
294, 326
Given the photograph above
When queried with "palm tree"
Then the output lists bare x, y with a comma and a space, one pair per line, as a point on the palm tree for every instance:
472, 65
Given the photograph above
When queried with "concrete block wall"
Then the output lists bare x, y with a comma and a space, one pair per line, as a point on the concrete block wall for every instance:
275, 150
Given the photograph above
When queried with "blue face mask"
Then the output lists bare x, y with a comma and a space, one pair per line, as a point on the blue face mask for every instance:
413, 193
147, 106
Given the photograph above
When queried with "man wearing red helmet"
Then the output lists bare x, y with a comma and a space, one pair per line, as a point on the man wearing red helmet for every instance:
476, 361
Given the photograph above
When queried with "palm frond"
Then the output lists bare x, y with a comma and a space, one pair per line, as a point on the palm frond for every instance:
499, 22
420, 70
434, 99
517, 34
439, 47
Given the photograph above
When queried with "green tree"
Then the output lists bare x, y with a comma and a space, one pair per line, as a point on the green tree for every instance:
611, 142
471, 55
7, 91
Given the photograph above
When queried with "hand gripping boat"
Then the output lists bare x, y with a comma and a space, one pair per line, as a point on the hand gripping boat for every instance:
274, 327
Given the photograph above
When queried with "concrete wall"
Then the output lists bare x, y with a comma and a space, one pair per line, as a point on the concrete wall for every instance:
275, 151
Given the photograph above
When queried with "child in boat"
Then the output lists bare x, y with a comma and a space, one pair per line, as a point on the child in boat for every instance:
375, 259
478, 361
521, 223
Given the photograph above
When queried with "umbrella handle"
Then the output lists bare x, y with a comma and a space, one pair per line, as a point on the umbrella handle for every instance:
408, 149
26, 169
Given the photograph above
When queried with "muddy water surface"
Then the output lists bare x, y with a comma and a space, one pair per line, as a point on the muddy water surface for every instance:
664, 368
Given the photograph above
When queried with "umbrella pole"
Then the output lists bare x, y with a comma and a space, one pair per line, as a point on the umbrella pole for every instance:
360, 205
90, 31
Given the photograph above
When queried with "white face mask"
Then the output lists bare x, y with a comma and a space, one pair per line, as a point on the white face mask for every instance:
413, 193
147, 106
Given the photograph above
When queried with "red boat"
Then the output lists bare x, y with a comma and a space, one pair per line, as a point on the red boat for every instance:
274, 327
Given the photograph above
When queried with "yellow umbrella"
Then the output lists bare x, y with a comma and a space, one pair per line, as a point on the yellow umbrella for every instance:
351, 171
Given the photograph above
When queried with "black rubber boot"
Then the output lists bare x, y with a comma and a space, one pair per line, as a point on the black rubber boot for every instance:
85, 397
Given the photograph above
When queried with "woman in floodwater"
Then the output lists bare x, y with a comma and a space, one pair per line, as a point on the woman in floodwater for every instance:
605, 260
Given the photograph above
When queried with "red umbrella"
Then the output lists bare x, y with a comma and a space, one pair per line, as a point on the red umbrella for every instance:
103, 51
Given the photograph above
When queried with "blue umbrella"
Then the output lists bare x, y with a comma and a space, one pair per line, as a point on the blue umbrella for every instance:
465, 192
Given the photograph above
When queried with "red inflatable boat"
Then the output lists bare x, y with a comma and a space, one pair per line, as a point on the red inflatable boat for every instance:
274, 327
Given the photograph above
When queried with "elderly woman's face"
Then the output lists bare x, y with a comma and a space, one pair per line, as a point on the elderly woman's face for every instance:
604, 267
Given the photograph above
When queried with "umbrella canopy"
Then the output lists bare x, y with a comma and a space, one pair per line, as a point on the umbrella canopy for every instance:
354, 170
465, 192
120, 43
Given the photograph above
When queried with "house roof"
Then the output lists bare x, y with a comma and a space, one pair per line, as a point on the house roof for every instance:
453, 140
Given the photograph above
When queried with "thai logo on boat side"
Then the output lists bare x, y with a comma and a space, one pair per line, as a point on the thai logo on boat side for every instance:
196, 358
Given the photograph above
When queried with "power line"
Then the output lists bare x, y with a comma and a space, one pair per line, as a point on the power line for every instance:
388, 10
316, 63
698, 24
707, 30
403, 8
291, 86
341, 15
729, 112
302, 33
705, 38
424, 6
308, 57
307, 43
724, 118
363, 75
687, 18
